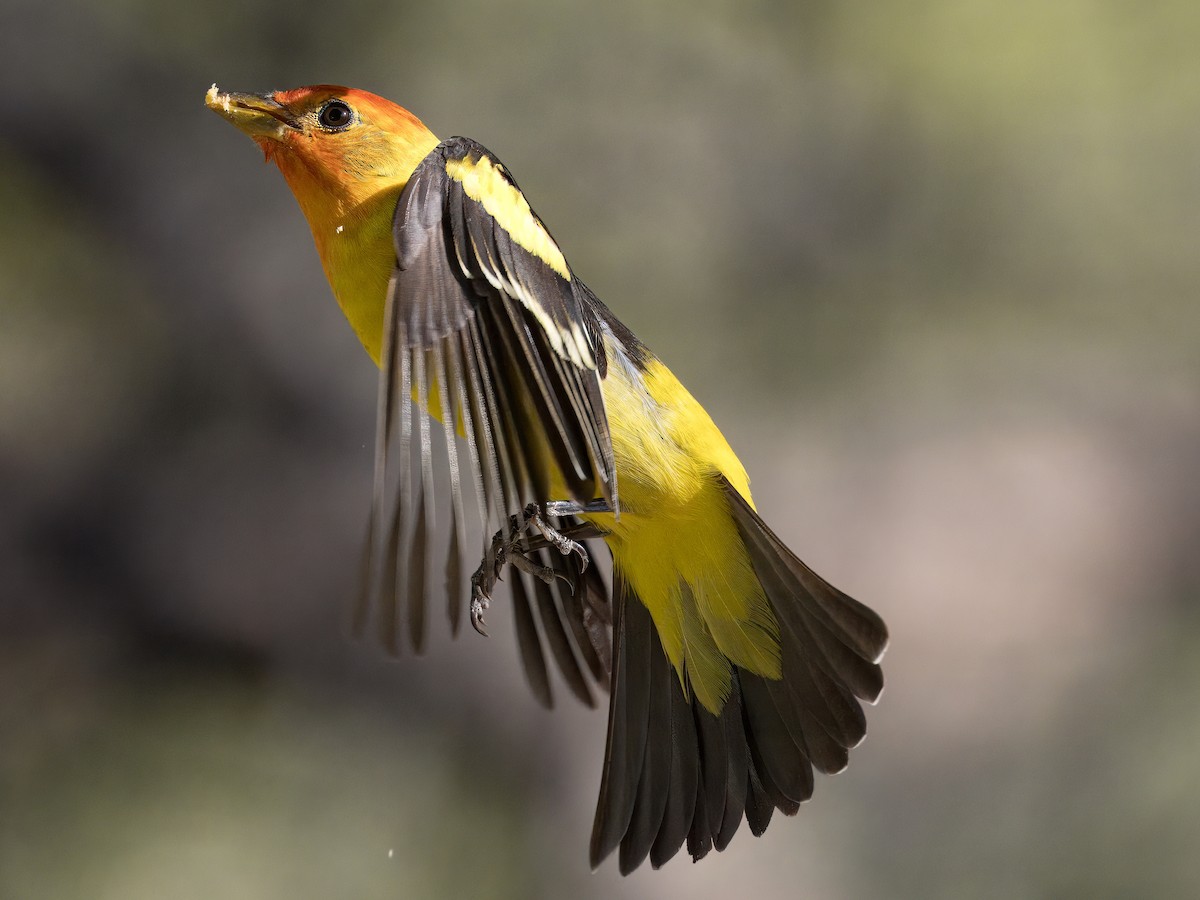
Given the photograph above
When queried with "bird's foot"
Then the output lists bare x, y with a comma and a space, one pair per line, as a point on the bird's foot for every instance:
512, 546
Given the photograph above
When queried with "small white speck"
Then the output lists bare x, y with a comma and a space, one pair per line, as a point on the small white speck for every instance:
391, 853
339, 229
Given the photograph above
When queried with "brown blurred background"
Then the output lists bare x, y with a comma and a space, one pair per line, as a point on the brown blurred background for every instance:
933, 266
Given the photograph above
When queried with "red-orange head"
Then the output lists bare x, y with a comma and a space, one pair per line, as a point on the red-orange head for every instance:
337, 147
346, 155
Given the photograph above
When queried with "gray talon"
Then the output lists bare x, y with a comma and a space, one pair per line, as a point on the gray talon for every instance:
509, 546
478, 605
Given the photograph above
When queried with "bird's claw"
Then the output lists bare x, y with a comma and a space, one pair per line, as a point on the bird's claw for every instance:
508, 547
580, 551
484, 581
555, 538
479, 604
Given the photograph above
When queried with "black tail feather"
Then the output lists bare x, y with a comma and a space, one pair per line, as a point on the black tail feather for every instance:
674, 772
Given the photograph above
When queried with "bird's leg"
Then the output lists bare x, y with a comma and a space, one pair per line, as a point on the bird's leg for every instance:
527, 532
571, 508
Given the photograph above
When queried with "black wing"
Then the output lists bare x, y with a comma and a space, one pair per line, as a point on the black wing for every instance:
487, 331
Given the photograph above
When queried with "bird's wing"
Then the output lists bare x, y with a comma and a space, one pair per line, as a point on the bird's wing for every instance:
487, 332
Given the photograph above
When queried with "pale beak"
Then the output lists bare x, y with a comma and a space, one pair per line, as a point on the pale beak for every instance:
259, 115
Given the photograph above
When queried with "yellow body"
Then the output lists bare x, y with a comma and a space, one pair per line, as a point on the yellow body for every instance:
675, 540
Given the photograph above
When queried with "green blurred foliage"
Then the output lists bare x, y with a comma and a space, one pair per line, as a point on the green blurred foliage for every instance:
933, 267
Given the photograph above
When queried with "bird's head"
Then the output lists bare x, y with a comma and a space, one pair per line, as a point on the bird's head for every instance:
346, 155
339, 148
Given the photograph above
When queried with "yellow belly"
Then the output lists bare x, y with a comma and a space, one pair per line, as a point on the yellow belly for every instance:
675, 541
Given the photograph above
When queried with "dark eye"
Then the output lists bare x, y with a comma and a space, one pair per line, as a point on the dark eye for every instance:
335, 114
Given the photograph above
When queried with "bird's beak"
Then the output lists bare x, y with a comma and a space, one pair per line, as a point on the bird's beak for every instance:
259, 115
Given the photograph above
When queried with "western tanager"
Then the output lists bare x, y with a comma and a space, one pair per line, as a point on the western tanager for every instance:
506, 385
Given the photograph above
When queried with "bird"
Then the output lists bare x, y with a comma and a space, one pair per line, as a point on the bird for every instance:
507, 388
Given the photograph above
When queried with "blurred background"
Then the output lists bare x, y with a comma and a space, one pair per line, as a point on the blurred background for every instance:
933, 268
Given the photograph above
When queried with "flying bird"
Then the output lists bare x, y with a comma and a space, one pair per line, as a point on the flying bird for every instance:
518, 417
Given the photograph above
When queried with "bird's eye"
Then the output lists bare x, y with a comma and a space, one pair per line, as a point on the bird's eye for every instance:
335, 115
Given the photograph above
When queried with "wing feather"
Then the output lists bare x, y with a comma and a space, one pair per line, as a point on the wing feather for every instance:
449, 401
557, 636
486, 329
463, 380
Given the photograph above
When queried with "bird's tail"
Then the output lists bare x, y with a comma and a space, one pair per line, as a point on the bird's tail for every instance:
675, 772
